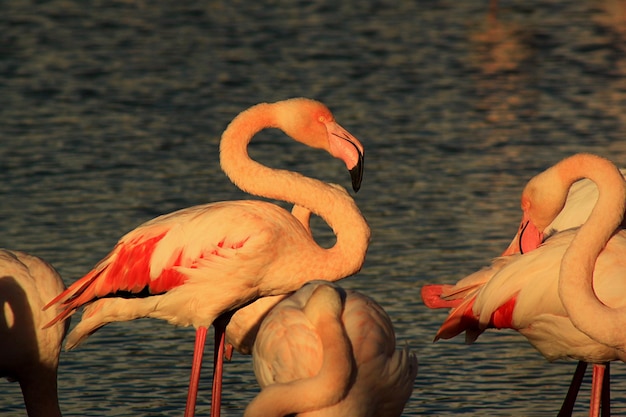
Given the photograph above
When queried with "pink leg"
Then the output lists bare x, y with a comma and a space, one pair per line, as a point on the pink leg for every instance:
606, 392
196, 367
218, 362
228, 355
570, 399
596, 389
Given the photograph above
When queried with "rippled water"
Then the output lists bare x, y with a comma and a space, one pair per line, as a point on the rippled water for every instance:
111, 111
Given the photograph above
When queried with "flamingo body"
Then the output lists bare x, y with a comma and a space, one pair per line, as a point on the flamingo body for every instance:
581, 198
179, 260
288, 348
532, 293
196, 264
28, 353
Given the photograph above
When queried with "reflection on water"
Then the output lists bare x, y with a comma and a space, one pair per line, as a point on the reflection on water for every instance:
111, 114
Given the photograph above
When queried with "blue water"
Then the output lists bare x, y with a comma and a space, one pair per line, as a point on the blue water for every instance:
111, 112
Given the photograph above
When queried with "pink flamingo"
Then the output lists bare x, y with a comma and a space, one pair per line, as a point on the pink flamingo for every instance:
194, 265
28, 353
537, 294
581, 199
346, 364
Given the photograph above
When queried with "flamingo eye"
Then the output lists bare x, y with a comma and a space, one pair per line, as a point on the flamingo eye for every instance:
322, 119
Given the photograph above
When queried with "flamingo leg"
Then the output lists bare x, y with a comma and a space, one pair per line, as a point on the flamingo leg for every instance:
218, 363
605, 401
570, 399
596, 389
228, 355
196, 367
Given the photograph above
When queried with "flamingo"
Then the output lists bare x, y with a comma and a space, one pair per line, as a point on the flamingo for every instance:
538, 294
346, 364
198, 264
581, 199
29, 354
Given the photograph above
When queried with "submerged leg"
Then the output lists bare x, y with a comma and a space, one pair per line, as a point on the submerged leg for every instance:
218, 363
596, 389
605, 401
570, 399
196, 367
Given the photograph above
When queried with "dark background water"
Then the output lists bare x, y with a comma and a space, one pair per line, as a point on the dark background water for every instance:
111, 112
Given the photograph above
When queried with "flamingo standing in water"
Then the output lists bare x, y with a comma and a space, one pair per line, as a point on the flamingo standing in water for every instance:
581, 199
344, 365
28, 353
194, 265
539, 293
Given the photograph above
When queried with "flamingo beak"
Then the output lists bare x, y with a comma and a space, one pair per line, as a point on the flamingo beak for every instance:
528, 238
356, 174
346, 147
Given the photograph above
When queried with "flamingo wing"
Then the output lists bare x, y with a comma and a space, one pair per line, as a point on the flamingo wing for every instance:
498, 296
205, 242
432, 296
531, 279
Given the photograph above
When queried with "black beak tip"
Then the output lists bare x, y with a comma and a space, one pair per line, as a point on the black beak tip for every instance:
356, 174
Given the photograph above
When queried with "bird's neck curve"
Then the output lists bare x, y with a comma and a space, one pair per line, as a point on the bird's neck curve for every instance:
332, 204
578, 263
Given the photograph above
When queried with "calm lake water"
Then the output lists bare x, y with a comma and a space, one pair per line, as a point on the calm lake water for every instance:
111, 112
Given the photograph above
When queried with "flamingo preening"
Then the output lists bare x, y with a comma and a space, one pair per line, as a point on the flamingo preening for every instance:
326, 351
581, 199
198, 264
565, 296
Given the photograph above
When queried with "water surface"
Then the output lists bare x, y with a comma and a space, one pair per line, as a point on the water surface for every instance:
111, 112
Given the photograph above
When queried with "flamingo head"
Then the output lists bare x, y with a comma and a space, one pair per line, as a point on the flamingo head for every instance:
543, 199
528, 238
545, 194
310, 122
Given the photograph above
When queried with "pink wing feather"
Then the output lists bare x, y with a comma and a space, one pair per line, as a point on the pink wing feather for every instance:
432, 296
153, 258
161, 254
125, 269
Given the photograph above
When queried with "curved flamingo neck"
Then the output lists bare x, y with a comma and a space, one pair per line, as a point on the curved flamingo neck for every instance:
333, 204
577, 266
332, 383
